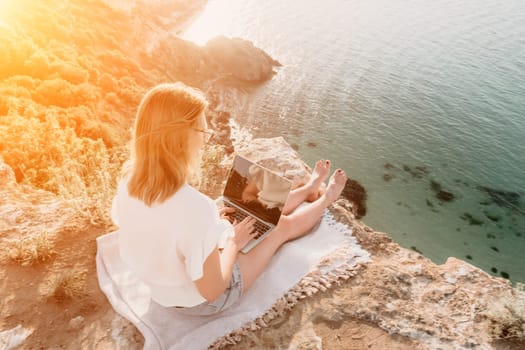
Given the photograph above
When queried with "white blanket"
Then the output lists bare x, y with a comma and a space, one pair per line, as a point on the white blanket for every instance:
164, 328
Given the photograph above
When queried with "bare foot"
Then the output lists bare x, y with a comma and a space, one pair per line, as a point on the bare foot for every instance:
335, 185
316, 182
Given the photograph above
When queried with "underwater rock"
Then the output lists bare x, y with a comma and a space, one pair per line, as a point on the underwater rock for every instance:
435, 186
429, 204
417, 172
502, 198
504, 275
388, 177
494, 249
414, 248
491, 236
492, 217
389, 166
461, 182
295, 146
445, 196
468, 256
311, 144
442, 195
493, 269
471, 219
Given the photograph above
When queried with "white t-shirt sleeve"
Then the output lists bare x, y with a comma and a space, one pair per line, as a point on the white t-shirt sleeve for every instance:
206, 236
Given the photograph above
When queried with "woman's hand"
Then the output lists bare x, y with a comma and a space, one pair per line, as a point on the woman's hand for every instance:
225, 212
243, 232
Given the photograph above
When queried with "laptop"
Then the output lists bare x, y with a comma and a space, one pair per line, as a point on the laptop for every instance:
255, 191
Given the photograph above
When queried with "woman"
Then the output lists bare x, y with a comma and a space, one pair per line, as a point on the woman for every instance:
173, 237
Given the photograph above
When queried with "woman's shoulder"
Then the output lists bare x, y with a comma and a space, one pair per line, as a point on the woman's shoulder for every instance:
192, 206
191, 197
190, 192
186, 197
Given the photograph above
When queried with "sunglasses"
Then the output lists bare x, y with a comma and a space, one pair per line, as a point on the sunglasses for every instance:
207, 132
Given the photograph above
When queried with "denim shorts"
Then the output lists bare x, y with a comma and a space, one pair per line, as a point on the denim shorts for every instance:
229, 297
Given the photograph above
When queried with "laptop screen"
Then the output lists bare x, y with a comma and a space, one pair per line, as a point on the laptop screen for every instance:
257, 190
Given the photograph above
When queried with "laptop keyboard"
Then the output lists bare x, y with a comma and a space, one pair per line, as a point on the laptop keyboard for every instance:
239, 215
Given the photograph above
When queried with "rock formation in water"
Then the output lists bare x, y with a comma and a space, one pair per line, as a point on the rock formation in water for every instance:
241, 59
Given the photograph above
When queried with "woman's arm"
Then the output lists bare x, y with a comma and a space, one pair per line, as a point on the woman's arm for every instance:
218, 267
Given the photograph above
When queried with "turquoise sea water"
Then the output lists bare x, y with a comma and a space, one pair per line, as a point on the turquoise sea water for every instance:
409, 97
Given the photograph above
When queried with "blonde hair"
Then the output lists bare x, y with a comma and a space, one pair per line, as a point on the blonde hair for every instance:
162, 158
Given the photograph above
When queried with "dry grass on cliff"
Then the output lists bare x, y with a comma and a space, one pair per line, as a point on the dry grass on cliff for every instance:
69, 88
507, 315
53, 157
62, 106
31, 250
67, 100
69, 285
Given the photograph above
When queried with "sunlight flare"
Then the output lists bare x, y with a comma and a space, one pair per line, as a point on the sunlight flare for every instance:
214, 21
8, 8
5, 7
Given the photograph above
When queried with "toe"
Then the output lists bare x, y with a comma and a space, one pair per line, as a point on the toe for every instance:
339, 176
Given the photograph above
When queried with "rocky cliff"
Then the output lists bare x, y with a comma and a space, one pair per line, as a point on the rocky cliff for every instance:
398, 300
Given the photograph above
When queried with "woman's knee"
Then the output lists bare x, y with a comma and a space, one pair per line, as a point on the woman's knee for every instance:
288, 228
285, 223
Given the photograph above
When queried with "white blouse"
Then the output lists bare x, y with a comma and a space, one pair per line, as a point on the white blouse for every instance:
166, 244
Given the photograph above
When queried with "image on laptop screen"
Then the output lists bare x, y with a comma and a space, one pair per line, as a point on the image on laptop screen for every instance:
257, 190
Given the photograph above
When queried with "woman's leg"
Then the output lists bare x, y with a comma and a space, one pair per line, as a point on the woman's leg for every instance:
310, 190
290, 227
